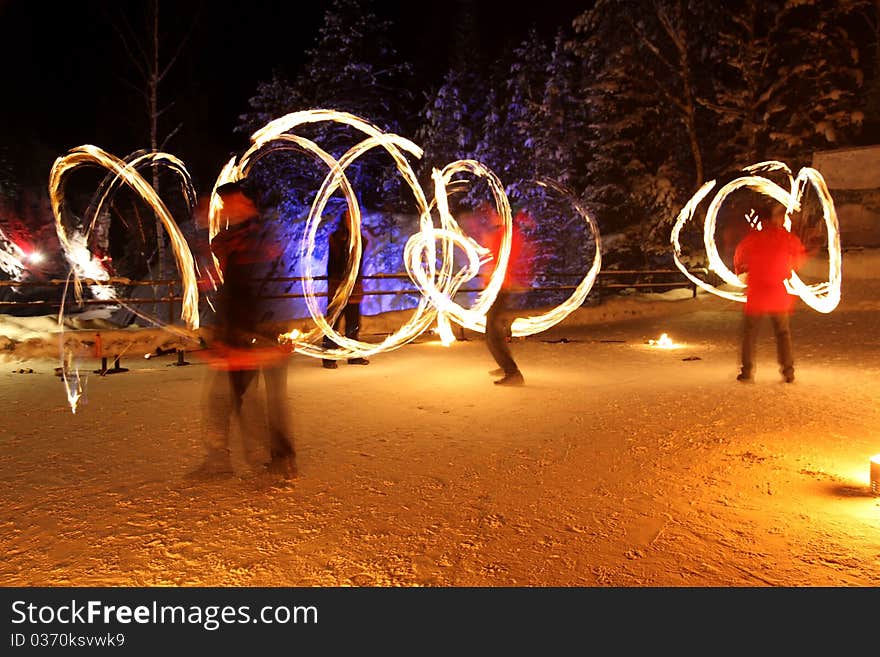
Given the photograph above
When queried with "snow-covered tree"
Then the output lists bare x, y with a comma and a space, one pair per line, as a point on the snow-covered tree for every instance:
525, 84
872, 97
664, 36
559, 144
789, 78
700, 88
352, 67
454, 117
554, 128
621, 117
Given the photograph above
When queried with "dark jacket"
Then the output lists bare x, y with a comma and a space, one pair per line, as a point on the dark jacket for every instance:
337, 259
243, 258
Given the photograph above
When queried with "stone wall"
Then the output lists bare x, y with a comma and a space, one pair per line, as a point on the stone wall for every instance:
853, 178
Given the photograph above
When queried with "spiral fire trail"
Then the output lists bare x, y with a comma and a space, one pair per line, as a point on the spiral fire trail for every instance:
82, 264
823, 297
428, 254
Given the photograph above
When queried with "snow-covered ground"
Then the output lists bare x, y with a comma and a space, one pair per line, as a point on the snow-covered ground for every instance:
617, 464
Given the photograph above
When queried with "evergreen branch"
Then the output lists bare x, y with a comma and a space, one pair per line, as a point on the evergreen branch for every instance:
720, 109
666, 22
646, 41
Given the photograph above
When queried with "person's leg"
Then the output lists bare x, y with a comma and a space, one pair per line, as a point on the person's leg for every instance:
782, 329
329, 363
282, 455
239, 382
352, 313
353, 329
749, 339
222, 403
278, 414
497, 332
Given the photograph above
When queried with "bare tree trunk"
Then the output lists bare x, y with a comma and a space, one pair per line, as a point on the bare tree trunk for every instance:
154, 136
146, 60
685, 101
679, 36
696, 153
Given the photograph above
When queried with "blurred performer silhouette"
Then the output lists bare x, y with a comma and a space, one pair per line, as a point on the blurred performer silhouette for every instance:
499, 317
244, 345
337, 258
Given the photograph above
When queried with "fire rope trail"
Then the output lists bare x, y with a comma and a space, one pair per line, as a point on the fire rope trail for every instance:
76, 250
823, 297
428, 254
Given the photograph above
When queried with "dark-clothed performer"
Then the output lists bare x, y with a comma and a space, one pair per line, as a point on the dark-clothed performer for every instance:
498, 318
337, 259
244, 345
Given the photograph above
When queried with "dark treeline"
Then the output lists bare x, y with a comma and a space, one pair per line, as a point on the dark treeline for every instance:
631, 104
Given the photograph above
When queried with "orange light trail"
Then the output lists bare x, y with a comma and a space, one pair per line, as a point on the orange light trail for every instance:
428, 254
823, 297
74, 245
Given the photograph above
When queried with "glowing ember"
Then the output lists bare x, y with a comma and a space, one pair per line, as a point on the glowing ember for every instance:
444, 330
822, 297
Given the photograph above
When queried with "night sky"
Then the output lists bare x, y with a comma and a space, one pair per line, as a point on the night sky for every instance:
65, 69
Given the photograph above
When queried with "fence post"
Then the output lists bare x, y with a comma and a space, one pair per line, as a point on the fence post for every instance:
180, 359
116, 367
114, 370
103, 369
171, 302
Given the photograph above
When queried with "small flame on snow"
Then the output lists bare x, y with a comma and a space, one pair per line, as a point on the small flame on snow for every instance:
663, 342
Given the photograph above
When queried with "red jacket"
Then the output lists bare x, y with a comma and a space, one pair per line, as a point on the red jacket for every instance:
768, 257
518, 275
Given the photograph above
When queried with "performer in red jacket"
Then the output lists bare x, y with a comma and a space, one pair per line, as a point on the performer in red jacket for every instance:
517, 281
766, 257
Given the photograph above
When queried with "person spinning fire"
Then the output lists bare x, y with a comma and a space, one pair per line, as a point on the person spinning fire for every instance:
244, 346
517, 279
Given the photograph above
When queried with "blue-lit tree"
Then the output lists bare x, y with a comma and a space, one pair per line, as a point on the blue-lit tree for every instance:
353, 67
